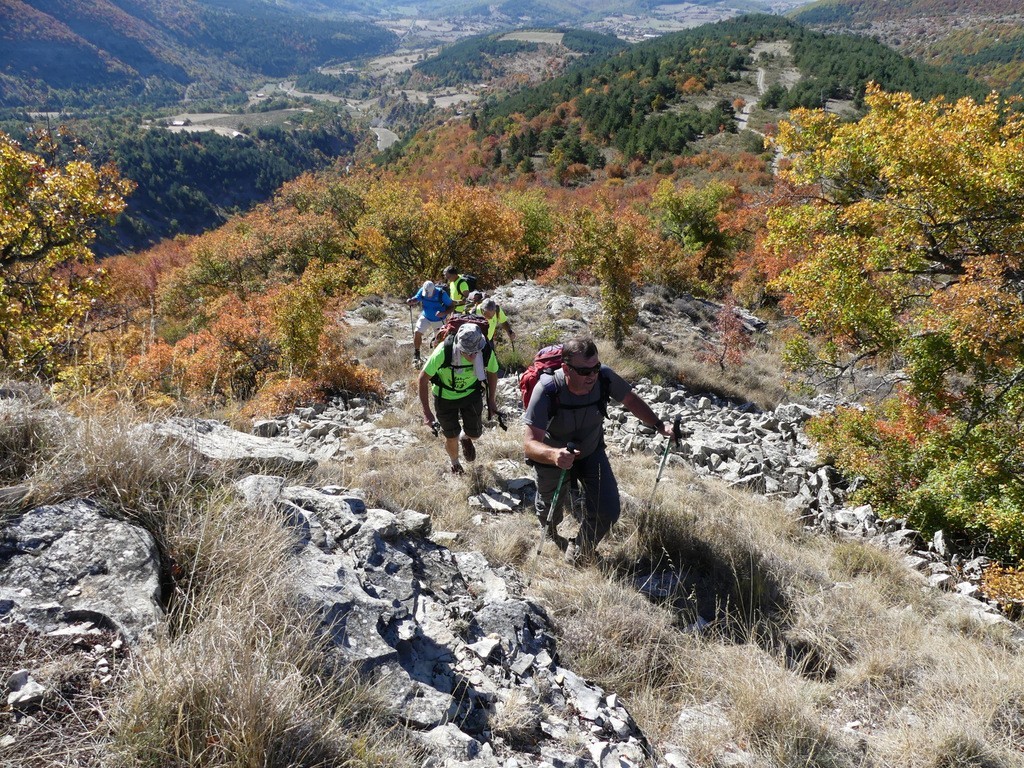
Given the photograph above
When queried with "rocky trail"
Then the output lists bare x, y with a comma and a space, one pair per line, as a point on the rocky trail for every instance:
465, 655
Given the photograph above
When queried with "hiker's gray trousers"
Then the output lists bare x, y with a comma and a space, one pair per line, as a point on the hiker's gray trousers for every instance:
600, 491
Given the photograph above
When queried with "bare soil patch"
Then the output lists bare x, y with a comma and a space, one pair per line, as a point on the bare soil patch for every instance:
549, 38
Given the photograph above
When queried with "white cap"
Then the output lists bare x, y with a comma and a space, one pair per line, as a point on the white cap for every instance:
428, 288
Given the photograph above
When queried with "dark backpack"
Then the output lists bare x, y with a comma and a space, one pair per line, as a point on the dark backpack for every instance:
449, 352
470, 281
549, 360
456, 320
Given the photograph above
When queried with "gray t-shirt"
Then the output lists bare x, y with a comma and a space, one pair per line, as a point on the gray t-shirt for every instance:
577, 418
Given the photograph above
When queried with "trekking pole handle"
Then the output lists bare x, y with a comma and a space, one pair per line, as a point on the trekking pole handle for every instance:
677, 428
571, 448
436, 428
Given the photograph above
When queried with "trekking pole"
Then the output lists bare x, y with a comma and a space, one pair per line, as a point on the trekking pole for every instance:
677, 435
514, 357
571, 447
436, 428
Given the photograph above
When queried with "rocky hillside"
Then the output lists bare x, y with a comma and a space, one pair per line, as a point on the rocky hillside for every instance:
750, 571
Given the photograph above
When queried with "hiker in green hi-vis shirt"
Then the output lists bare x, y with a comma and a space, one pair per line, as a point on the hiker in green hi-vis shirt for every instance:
457, 372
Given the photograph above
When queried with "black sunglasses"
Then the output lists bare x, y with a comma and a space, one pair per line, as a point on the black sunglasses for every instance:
588, 371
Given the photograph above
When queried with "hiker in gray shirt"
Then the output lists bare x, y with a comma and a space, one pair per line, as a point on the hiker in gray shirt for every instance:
570, 407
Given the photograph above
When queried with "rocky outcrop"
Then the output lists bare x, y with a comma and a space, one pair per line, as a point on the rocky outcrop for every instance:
222, 445
468, 663
69, 564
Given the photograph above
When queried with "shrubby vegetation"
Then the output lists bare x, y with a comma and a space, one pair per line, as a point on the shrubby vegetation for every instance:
904, 248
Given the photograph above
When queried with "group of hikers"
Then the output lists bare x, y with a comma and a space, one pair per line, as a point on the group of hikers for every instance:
565, 397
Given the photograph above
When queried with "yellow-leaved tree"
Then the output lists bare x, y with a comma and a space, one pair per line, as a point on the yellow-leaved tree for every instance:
905, 244
49, 211
409, 233
610, 246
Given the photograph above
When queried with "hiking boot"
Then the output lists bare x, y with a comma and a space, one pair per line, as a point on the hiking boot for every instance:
578, 557
560, 541
457, 469
416, 359
468, 449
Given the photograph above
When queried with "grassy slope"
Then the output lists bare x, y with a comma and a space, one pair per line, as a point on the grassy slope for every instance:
831, 653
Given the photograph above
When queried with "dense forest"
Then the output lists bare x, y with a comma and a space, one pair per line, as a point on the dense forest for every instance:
980, 39
56, 56
474, 59
651, 101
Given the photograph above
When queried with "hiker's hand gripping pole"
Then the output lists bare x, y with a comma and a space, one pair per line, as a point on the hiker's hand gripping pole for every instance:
571, 448
677, 435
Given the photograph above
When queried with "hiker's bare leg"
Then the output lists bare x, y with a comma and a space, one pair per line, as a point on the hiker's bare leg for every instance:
451, 444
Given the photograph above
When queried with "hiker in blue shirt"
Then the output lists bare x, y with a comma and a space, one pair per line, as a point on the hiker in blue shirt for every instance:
436, 306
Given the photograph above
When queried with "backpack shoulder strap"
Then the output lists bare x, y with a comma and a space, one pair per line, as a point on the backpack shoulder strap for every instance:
554, 392
604, 394
449, 350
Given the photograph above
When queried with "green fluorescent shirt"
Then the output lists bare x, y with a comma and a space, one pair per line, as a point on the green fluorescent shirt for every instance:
458, 296
492, 324
461, 370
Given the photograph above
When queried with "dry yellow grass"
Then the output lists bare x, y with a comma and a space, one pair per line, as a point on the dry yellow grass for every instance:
238, 678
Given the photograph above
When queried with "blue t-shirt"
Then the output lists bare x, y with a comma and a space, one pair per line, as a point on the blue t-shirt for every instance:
434, 307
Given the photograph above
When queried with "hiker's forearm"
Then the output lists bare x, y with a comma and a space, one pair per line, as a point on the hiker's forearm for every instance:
424, 388
643, 411
536, 449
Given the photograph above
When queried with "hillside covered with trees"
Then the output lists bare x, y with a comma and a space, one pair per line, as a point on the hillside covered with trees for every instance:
649, 104
984, 39
77, 54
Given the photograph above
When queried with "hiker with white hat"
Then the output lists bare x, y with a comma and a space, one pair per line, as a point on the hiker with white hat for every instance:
458, 372
436, 305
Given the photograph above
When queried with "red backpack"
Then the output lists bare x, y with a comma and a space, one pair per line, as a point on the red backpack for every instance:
548, 360
457, 320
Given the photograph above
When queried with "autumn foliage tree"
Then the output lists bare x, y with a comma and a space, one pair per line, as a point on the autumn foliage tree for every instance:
49, 211
610, 247
409, 233
694, 218
906, 246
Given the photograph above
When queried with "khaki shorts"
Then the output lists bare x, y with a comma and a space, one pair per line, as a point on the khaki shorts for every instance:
428, 327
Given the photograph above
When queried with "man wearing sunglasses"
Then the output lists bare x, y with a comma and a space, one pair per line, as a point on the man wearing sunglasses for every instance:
570, 407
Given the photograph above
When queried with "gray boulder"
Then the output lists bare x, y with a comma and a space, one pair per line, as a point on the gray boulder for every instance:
69, 562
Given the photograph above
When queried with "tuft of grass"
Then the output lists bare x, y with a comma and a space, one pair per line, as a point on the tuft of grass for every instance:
239, 681
27, 436
107, 457
372, 313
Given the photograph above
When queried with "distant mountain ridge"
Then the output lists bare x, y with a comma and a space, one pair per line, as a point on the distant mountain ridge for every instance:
984, 39
54, 52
